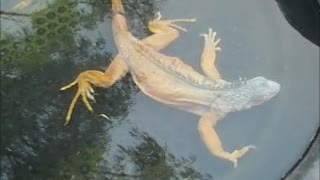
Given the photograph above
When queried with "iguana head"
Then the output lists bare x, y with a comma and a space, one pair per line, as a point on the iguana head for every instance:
250, 93
260, 89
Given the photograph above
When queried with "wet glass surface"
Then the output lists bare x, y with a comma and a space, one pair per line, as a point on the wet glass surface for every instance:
143, 139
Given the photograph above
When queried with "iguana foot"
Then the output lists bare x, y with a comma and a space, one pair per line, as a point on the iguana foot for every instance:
210, 41
157, 23
208, 56
84, 81
235, 155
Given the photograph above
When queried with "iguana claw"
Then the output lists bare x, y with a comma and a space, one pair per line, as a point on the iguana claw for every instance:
157, 22
210, 40
84, 89
239, 153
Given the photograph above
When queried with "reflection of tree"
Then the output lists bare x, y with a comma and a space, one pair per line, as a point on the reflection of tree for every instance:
138, 12
32, 48
148, 160
6, 13
55, 31
34, 142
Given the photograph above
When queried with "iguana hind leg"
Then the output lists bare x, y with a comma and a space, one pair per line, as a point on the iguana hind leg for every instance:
208, 56
85, 80
212, 141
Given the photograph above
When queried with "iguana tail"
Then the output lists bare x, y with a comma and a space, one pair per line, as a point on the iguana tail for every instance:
117, 7
119, 22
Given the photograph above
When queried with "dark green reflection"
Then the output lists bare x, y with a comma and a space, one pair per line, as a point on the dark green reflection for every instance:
35, 64
151, 161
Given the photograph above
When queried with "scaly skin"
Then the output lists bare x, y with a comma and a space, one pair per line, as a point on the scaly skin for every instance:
172, 82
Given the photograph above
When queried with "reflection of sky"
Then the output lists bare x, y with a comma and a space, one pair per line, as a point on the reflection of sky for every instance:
8, 5
30, 5
15, 26
256, 40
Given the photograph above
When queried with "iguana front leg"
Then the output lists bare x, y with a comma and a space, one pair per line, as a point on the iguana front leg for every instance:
212, 141
165, 31
208, 56
164, 34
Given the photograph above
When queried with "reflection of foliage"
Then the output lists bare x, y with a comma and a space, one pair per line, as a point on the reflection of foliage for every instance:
34, 144
58, 17
54, 31
51, 33
136, 15
151, 161
93, 12
137, 11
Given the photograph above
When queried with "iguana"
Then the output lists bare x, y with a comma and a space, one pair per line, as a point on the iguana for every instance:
170, 81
